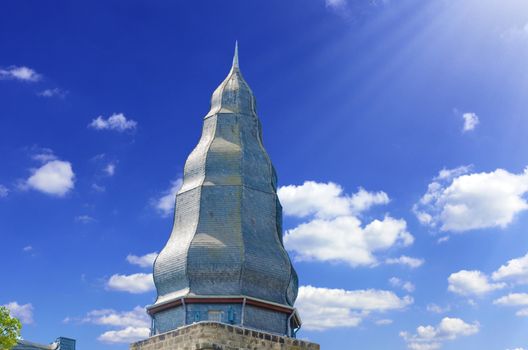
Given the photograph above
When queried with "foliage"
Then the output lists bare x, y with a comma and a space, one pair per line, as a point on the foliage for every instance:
9, 329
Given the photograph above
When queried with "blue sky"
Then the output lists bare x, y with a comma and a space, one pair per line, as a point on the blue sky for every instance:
398, 130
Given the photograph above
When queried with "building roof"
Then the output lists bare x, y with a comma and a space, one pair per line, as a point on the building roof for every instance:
27, 345
62, 343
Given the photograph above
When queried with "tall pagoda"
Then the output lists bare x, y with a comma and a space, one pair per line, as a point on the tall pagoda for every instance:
225, 260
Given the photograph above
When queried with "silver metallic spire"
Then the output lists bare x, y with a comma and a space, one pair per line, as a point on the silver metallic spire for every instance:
235, 57
225, 249
233, 95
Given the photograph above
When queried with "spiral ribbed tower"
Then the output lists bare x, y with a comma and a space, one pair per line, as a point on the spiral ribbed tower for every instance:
225, 260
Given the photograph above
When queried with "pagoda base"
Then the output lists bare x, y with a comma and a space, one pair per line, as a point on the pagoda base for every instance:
220, 336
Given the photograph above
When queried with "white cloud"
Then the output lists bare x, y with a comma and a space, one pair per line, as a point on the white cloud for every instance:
384, 322
457, 201
522, 313
27, 248
146, 260
84, 219
98, 188
515, 270
468, 283
513, 299
334, 231
405, 260
405, 285
326, 200
430, 338
442, 239
132, 325
126, 335
450, 174
116, 121
56, 92
471, 120
43, 155
4, 191
19, 73
136, 283
23, 312
165, 204
110, 169
336, 4
55, 177
437, 309
516, 34
137, 317
324, 308
344, 239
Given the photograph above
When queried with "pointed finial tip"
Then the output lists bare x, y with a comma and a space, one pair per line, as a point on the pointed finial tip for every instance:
235, 57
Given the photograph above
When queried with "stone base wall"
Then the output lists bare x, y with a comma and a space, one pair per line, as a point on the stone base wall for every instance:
219, 336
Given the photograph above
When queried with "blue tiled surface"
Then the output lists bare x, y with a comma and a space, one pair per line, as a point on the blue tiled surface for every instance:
257, 318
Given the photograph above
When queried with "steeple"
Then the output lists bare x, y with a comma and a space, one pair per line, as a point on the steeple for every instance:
235, 57
233, 95
225, 260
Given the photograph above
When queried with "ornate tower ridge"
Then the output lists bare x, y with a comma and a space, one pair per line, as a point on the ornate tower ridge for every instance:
225, 260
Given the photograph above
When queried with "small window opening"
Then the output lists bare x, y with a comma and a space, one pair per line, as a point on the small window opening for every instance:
215, 315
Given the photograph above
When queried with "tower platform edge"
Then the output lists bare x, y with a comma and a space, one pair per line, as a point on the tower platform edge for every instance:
219, 336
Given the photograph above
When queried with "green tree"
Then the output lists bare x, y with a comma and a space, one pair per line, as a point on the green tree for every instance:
9, 329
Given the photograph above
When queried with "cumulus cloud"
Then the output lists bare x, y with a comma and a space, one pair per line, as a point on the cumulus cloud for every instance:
43, 155
98, 188
116, 121
437, 309
137, 317
324, 308
146, 260
344, 239
471, 120
4, 191
405, 260
442, 239
513, 299
326, 200
515, 270
165, 203
84, 219
333, 230
335, 4
136, 283
126, 335
23, 312
110, 169
522, 313
459, 201
131, 325
21, 73
27, 248
384, 322
474, 282
55, 177
399, 283
56, 92
431, 338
